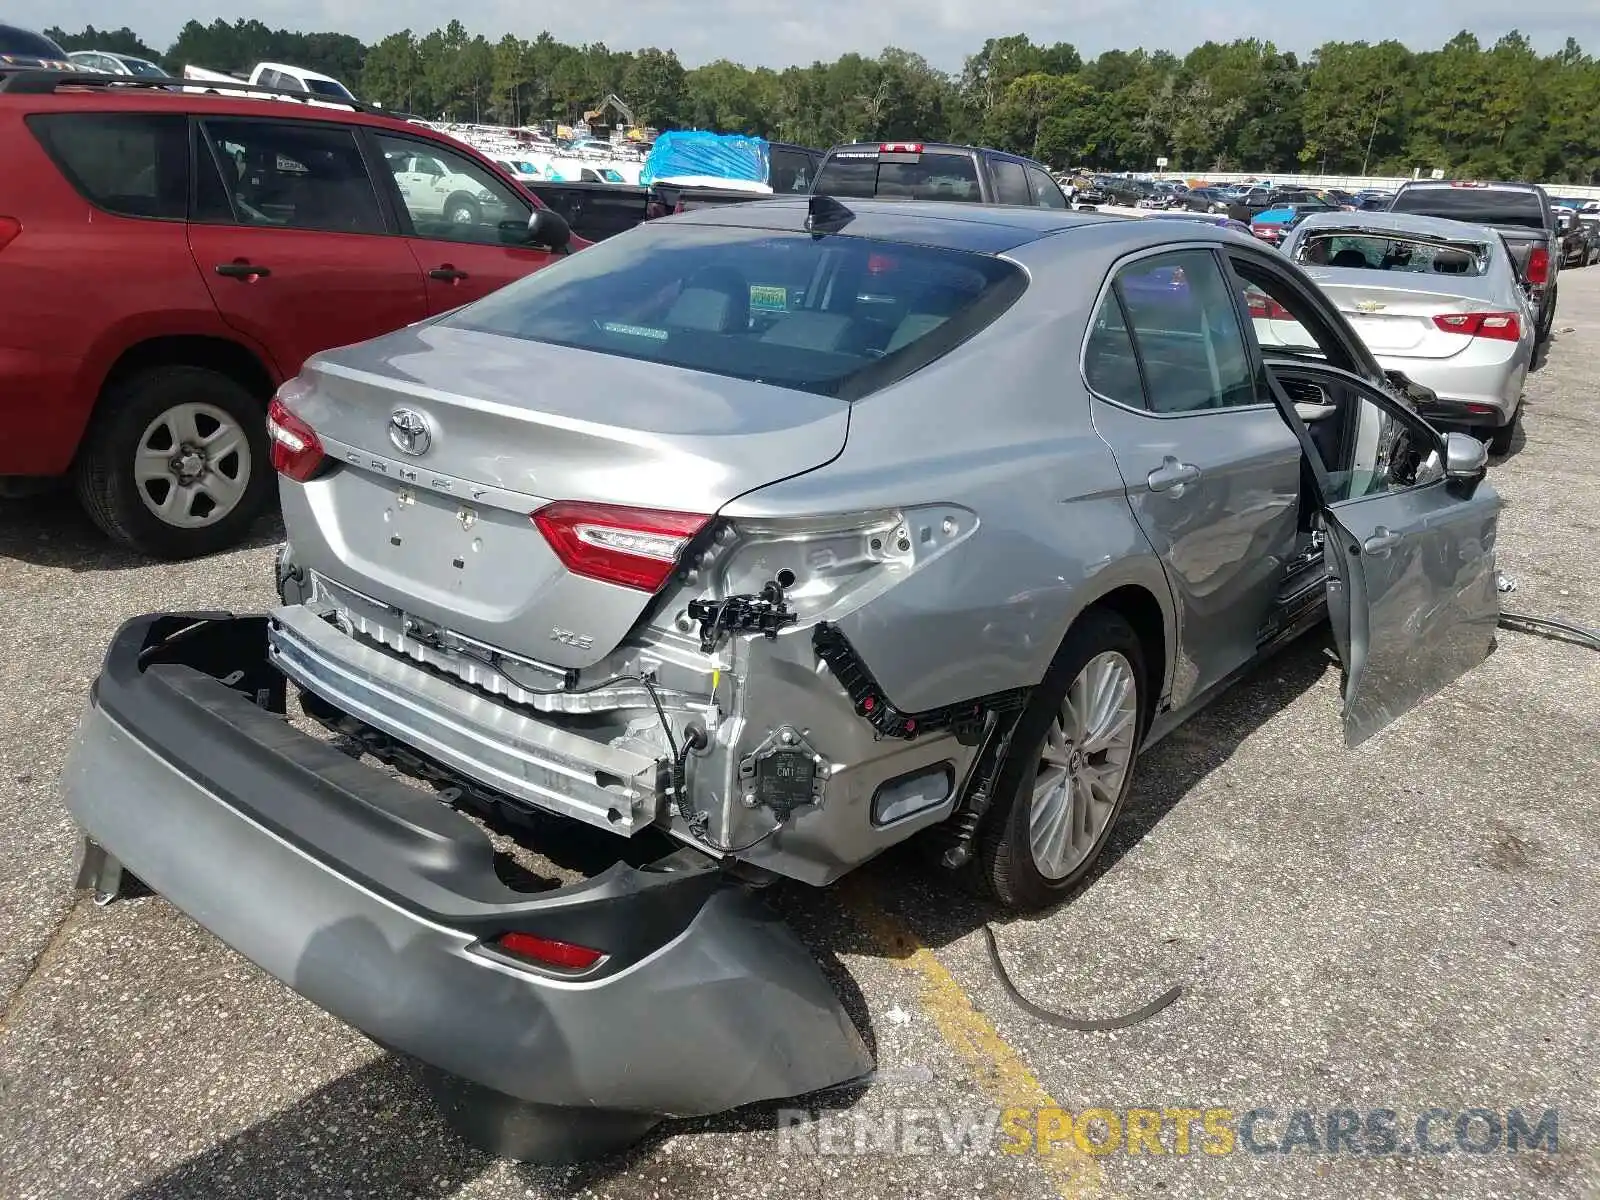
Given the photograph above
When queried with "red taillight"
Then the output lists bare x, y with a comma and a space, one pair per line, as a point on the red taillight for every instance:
547, 952
1539, 265
296, 450
634, 547
9, 228
1265, 308
1501, 326
900, 148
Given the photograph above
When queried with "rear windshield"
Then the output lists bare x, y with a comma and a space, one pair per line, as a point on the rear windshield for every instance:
836, 315
327, 87
1476, 206
933, 176
1379, 252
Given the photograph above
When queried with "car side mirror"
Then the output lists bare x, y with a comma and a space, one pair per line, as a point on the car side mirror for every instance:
1466, 460
550, 230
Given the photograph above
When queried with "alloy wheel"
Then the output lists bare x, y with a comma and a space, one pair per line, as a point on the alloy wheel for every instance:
1087, 752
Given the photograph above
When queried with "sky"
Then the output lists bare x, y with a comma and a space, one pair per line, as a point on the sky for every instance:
779, 33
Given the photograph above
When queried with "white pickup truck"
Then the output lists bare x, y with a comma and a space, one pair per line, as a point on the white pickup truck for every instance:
432, 190
279, 76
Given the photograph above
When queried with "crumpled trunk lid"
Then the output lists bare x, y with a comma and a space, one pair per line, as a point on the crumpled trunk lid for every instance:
449, 439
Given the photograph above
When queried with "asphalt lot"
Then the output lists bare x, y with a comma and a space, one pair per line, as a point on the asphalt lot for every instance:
1412, 925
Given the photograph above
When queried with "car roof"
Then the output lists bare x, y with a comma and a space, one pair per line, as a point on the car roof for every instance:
1400, 223
166, 96
300, 72
1412, 185
978, 228
36, 42
936, 148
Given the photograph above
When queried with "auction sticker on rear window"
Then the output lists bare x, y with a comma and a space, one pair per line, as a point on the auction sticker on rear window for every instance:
769, 297
643, 331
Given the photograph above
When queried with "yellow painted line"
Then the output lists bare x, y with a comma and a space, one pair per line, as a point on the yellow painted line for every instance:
998, 1068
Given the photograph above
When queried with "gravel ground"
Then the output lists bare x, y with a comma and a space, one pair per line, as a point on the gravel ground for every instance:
1405, 927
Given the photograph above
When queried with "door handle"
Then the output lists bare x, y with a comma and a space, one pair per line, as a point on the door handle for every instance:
447, 274
1171, 475
1381, 542
242, 270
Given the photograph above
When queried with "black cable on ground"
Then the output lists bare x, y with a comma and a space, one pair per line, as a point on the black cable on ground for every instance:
1061, 1020
1561, 631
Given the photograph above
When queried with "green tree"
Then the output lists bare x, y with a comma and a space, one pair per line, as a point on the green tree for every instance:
654, 86
392, 74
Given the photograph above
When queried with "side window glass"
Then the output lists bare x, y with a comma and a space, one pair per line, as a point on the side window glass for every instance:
1283, 320
1110, 365
296, 176
1366, 449
132, 165
1187, 330
1046, 193
1010, 183
451, 198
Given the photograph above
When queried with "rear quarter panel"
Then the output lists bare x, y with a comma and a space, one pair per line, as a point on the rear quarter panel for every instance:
1000, 427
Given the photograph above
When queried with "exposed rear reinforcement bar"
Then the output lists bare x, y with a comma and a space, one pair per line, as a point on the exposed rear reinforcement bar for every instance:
384, 906
529, 760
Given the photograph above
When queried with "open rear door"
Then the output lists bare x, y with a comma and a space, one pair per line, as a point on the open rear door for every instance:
1409, 547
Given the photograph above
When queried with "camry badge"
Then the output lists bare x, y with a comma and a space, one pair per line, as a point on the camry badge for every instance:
409, 431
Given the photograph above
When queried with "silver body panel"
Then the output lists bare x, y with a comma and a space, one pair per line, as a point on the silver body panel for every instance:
735, 989
1018, 511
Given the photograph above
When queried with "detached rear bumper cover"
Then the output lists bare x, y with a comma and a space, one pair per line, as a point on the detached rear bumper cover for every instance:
365, 896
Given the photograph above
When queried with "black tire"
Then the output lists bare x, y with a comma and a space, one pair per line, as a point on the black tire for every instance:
1547, 319
1003, 866
462, 210
106, 485
1500, 437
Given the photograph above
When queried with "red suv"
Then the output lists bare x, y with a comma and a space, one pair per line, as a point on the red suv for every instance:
167, 259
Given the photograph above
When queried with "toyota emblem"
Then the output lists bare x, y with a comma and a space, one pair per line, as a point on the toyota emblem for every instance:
408, 430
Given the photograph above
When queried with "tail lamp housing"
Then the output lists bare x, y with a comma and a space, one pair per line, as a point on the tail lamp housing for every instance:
297, 451
1539, 266
636, 548
1498, 326
1264, 308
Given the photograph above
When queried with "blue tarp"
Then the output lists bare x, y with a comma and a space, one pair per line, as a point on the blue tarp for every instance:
696, 152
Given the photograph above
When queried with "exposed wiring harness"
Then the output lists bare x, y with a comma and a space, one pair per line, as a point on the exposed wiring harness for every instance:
697, 823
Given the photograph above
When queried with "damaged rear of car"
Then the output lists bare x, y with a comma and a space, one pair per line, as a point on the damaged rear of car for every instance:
752, 543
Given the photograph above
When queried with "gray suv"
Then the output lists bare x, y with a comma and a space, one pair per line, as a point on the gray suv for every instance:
752, 543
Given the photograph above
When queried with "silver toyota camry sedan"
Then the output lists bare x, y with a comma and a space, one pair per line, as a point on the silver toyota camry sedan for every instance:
753, 542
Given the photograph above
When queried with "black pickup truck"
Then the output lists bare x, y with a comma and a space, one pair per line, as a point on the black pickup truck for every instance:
597, 211
929, 171
1519, 212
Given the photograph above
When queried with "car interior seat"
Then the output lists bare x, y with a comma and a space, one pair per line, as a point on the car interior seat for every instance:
1349, 257
713, 300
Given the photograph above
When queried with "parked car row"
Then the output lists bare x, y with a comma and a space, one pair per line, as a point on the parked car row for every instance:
251, 244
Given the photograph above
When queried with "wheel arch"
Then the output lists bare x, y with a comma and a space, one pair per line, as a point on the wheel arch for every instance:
1139, 607
229, 358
